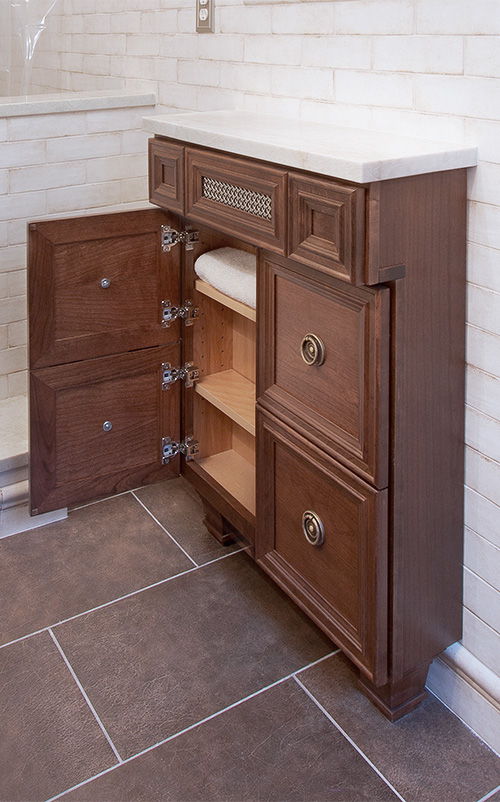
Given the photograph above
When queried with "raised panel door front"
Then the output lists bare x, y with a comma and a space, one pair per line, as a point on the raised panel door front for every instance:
96, 427
96, 286
340, 399
339, 578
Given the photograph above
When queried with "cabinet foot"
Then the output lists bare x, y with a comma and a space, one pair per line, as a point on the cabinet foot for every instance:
217, 525
396, 699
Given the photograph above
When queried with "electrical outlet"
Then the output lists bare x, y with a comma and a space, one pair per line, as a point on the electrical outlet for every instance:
204, 16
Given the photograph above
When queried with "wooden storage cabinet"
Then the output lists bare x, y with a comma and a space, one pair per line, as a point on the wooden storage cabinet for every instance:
348, 485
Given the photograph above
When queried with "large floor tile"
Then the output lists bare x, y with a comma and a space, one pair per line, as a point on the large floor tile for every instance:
164, 659
178, 507
428, 756
275, 746
49, 738
99, 553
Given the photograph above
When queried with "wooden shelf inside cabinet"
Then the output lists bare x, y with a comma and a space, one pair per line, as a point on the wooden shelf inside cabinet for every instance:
236, 306
234, 473
234, 395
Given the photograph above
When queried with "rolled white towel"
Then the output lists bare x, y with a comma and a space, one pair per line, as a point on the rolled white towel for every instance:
230, 271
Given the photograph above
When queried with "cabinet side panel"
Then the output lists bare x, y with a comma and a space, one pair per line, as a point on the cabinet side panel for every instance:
428, 384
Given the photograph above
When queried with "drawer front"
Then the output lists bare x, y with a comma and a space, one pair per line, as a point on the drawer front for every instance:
96, 286
96, 427
166, 175
327, 226
238, 196
324, 362
303, 496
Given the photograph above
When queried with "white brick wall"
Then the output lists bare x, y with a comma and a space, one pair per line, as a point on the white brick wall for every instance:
426, 67
58, 164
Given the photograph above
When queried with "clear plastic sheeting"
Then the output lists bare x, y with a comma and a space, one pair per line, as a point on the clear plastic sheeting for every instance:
22, 21
5, 39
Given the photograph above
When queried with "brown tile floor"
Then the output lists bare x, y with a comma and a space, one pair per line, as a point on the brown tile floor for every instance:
141, 666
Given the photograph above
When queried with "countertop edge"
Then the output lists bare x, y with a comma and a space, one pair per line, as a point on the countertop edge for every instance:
32, 105
439, 156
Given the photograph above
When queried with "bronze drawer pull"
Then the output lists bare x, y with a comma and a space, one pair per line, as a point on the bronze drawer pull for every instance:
312, 350
313, 528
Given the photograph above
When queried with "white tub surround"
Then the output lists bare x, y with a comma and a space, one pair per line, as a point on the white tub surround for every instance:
60, 102
352, 154
470, 689
14, 513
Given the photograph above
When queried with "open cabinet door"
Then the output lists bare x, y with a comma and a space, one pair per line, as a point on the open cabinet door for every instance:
98, 410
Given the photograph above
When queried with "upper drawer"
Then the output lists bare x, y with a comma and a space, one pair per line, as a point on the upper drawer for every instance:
96, 286
238, 196
327, 226
324, 362
166, 175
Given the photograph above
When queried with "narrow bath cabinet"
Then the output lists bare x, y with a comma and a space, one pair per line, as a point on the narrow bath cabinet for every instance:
323, 429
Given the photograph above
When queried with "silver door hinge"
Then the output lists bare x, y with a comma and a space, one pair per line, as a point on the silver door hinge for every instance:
188, 374
170, 448
171, 237
169, 313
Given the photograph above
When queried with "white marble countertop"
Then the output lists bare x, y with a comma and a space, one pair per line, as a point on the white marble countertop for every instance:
351, 154
26, 105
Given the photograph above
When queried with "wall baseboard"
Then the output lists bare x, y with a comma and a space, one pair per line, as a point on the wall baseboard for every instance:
470, 690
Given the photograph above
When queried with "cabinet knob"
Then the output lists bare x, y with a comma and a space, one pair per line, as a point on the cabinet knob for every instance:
312, 350
313, 528
105, 282
107, 426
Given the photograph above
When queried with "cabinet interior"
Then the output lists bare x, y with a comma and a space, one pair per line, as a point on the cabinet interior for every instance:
224, 349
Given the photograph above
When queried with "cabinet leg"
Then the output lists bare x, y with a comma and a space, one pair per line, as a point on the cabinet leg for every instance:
217, 525
396, 699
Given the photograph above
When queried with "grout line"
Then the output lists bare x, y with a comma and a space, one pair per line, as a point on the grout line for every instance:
348, 738
100, 500
489, 795
223, 557
192, 726
119, 599
91, 706
464, 722
317, 662
99, 607
165, 530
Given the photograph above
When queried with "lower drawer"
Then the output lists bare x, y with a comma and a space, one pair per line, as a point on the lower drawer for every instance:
322, 535
96, 426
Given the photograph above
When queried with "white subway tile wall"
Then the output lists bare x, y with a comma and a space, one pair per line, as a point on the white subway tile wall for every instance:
58, 164
419, 67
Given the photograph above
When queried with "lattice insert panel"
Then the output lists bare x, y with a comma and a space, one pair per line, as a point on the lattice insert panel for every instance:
246, 200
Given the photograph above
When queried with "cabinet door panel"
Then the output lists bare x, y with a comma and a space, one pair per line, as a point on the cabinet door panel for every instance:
342, 582
327, 228
96, 427
166, 175
342, 403
239, 196
96, 286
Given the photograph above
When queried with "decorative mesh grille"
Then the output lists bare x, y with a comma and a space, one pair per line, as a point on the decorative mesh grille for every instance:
246, 200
